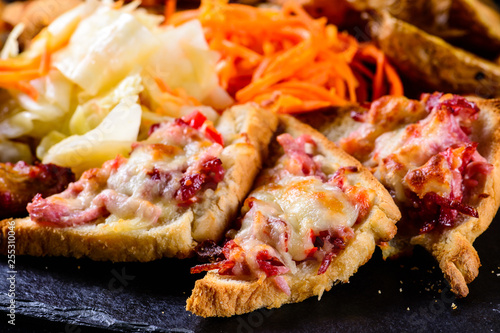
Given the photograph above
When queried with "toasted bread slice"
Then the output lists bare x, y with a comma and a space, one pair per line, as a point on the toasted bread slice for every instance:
246, 131
233, 293
433, 63
452, 247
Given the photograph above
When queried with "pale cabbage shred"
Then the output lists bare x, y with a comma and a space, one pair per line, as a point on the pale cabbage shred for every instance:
107, 74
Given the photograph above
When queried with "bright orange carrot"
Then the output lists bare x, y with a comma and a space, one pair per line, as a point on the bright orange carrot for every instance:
15, 73
289, 61
396, 86
170, 7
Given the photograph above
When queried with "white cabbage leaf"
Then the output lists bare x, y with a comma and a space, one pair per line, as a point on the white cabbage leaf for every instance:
11, 47
113, 136
47, 142
185, 61
37, 118
90, 114
104, 49
150, 21
62, 27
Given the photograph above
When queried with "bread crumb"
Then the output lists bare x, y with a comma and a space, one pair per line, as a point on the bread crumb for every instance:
414, 268
78, 267
454, 306
400, 281
400, 290
380, 292
408, 309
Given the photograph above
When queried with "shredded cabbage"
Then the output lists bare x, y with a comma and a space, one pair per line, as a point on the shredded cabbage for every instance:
11, 46
104, 49
90, 114
37, 118
113, 136
48, 141
186, 62
63, 27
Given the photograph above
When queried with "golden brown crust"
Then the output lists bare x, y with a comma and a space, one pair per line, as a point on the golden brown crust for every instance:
98, 244
246, 129
215, 295
431, 61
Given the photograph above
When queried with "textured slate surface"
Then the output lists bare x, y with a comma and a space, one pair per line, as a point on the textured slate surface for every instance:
78, 296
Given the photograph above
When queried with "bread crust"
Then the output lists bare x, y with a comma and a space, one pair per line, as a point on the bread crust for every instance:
242, 158
453, 249
246, 129
434, 63
216, 295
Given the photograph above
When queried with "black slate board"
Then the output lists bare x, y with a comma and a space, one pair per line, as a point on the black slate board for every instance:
79, 296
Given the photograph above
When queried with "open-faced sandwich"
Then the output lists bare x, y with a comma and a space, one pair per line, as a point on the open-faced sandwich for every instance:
180, 186
440, 159
313, 218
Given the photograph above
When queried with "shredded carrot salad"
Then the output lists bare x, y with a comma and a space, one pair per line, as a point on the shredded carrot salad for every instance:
288, 61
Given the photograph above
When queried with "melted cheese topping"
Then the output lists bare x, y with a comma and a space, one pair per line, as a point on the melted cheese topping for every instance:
303, 204
162, 176
400, 151
162, 153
